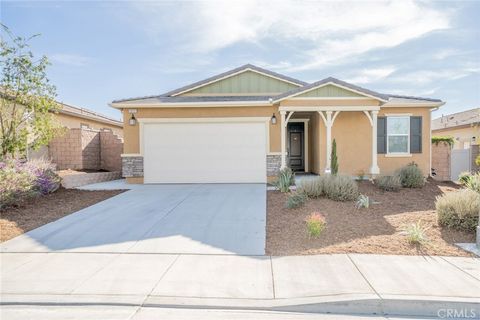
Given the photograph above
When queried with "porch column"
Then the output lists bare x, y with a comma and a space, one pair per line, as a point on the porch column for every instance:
374, 169
283, 147
328, 124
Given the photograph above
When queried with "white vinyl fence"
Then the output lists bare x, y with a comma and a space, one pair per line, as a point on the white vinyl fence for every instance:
460, 162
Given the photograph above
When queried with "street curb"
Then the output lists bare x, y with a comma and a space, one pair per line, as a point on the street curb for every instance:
362, 304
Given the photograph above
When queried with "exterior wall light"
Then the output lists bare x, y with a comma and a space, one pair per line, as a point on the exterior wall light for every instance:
273, 119
133, 120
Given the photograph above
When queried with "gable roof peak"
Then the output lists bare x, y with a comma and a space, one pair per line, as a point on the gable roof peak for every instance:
233, 72
335, 81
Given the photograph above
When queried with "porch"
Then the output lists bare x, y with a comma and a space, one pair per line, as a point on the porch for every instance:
307, 134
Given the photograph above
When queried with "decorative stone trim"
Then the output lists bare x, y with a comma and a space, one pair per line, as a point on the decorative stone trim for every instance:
132, 166
81, 179
274, 162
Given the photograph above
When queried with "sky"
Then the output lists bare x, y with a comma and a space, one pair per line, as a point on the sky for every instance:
106, 50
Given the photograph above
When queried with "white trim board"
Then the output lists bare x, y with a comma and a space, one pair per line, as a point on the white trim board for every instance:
329, 108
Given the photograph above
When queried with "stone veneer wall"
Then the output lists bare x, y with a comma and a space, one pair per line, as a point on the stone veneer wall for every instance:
81, 179
132, 166
441, 157
274, 163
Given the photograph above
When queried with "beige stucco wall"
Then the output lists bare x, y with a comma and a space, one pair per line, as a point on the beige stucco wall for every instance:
353, 134
132, 132
70, 121
352, 131
460, 135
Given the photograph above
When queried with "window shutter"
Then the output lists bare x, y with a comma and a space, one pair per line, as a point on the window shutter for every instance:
382, 135
415, 134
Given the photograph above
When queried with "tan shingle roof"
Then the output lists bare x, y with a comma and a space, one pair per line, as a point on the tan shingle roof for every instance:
469, 117
88, 114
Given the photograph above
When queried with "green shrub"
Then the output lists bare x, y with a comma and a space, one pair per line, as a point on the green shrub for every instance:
296, 199
22, 180
464, 177
448, 140
340, 188
312, 187
285, 179
415, 233
316, 223
473, 182
459, 209
389, 183
411, 176
334, 159
477, 160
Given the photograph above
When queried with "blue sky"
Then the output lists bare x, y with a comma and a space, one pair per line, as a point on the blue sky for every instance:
106, 50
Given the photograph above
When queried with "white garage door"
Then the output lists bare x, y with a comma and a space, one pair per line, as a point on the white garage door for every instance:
204, 152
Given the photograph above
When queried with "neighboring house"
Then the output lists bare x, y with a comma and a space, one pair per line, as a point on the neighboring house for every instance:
245, 124
463, 126
74, 117
91, 141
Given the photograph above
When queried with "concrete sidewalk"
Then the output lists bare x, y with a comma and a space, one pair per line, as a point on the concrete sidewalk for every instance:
353, 283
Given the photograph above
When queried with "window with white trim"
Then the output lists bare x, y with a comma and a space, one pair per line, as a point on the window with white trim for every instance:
398, 134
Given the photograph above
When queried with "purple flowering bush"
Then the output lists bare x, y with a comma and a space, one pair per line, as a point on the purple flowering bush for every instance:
20, 180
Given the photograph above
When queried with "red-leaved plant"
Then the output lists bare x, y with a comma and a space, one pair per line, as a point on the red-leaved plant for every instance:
316, 223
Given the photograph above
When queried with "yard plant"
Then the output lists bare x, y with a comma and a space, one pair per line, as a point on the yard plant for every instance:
334, 159
335, 187
411, 176
389, 183
296, 199
26, 98
316, 223
22, 180
415, 233
459, 209
341, 188
363, 201
285, 179
312, 187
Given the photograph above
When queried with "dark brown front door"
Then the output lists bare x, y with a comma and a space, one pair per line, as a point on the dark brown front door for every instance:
296, 146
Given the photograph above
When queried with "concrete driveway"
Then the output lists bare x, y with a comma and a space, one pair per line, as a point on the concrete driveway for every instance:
196, 219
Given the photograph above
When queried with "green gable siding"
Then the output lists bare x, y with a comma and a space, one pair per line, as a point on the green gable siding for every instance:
329, 91
245, 83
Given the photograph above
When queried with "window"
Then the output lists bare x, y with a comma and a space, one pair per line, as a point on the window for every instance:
84, 126
398, 134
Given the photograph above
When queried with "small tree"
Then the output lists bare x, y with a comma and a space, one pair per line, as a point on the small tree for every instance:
333, 158
27, 98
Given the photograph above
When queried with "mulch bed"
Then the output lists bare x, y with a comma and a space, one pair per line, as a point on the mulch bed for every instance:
36, 212
373, 230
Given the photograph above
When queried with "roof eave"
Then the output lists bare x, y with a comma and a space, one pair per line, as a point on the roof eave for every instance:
120, 106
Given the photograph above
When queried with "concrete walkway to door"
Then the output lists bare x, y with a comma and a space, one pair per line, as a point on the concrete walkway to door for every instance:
191, 219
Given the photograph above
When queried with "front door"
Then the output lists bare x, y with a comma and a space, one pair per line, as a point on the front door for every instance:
296, 155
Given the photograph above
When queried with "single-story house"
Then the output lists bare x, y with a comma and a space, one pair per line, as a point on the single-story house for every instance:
247, 123
463, 127
75, 117
79, 146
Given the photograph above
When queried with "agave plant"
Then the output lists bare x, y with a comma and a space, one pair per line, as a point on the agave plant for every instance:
363, 201
285, 179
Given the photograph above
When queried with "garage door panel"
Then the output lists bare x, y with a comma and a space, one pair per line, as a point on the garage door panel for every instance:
204, 152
